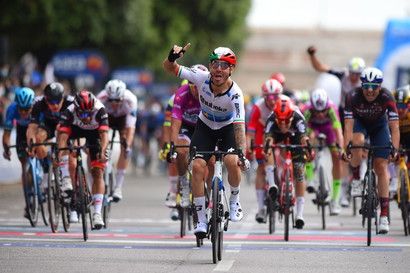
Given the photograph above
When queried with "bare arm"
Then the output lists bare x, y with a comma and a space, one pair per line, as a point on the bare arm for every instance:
395, 133
240, 139
348, 132
6, 139
31, 132
104, 140
317, 65
175, 127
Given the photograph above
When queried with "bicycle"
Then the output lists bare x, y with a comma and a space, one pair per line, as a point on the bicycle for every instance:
109, 181
55, 201
403, 191
286, 196
370, 199
322, 175
185, 213
33, 195
81, 197
218, 207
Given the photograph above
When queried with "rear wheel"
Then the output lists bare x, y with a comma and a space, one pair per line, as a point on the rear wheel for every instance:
287, 204
53, 200
107, 198
82, 201
30, 195
323, 195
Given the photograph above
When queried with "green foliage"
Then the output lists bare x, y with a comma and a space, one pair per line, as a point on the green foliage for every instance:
129, 32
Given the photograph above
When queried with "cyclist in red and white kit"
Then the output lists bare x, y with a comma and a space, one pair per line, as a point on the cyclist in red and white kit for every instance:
261, 110
86, 118
121, 106
222, 117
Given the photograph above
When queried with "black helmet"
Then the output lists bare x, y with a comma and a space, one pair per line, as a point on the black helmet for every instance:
54, 91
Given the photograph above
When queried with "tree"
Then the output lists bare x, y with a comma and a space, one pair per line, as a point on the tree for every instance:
129, 32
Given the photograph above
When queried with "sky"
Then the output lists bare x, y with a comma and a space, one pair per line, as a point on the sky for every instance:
326, 14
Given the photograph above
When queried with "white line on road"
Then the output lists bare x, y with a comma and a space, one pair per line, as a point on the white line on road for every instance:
224, 265
231, 244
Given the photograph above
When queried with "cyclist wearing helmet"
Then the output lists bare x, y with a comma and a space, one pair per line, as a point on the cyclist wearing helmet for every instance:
402, 98
287, 92
350, 77
222, 116
86, 118
261, 110
287, 121
322, 117
121, 106
371, 112
18, 113
45, 116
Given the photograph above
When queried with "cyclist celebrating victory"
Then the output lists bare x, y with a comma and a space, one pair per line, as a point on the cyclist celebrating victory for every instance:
222, 117
121, 106
371, 111
86, 118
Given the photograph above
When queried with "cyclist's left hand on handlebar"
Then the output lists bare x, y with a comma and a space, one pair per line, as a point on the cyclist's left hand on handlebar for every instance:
243, 162
104, 156
394, 154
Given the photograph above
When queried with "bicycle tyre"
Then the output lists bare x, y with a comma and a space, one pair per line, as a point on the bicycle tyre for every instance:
287, 205
107, 202
183, 214
220, 244
271, 214
53, 201
30, 195
214, 221
404, 201
322, 191
370, 207
82, 200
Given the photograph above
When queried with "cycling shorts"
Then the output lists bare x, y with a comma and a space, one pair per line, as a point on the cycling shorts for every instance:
204, 139
378, 134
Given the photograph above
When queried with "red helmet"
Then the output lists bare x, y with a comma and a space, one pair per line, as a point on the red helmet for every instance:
272, 87
84, 101
223, 54
279, 77
284, 108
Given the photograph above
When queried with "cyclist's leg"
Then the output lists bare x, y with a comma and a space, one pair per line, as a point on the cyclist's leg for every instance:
299, 177
182, 166
270, 176
260, 183
234, 172
126, 130
43, 133
381, 137
199, 173
359, 133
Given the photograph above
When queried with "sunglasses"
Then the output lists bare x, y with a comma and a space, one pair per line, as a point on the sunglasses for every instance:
115, 100
24, 109
283, 121
84, 114
369, 85
223, 65
401, 106
53, 102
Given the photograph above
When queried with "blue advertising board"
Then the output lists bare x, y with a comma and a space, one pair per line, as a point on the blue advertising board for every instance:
394, 59
72, 63
134, 78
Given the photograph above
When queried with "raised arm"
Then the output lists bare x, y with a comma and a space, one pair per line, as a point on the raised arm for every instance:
170, 65
317, 65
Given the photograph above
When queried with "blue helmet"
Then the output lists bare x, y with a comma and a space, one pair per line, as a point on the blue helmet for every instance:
24, 97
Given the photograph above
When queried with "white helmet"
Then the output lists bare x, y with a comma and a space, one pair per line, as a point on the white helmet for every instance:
115, 89
272, 87
356, 65
319, 99
371, 75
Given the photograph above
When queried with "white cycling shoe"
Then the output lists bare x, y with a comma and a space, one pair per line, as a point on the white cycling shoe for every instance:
117, 194
235, 211
73, 217
357, 188
171, 200
98, 221
201, 230
383, 225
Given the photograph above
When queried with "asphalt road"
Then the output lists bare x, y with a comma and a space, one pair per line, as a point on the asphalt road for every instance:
142, 238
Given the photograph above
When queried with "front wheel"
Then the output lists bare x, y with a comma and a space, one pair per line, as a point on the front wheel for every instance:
286, 211
30, 195
53, 200
82, 200
404, 201
323, 195
215, 221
